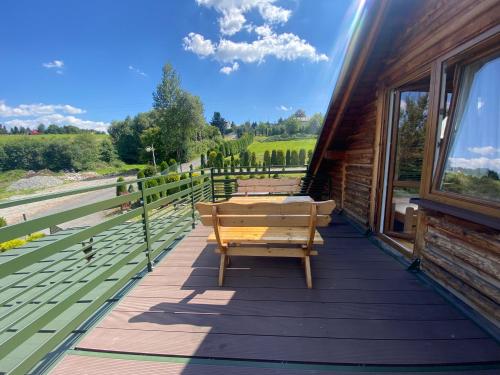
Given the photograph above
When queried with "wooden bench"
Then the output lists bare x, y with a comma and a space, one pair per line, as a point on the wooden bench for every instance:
268, 186
266, 229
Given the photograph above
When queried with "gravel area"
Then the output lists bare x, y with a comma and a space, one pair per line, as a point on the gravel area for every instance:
35, 182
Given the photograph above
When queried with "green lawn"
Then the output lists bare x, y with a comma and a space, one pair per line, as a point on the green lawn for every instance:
4, 138
119, 168
260, 147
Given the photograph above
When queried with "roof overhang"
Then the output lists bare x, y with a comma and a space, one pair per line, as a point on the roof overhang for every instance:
360, 45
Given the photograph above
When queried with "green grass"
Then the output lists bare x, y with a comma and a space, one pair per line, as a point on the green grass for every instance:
260, 147
5, 138
8, 177
119, 168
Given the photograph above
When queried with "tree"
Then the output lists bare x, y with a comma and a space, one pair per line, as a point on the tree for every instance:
163, 166
309, 155
179, 116
287, 157
211, 159
292, 125
411, 138
253, 160
219, 161
267, 158
107, 151
299, 113
202, 161
302, 156
219, 122
84, 153
280, 157
273, 157
41, 128
315, 123
294, 158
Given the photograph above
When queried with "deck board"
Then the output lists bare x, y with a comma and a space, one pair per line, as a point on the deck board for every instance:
365, 309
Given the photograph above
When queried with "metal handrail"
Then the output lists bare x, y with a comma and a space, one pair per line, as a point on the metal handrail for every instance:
153, 225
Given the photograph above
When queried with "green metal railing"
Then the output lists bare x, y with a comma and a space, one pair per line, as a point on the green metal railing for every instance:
53, 285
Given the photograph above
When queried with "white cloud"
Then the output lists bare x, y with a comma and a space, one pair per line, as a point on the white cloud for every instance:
285, 46
264, 30
230, 69
37, 109
54, 64
197, 44
475, 163
59, 119
284, 108
233, 12
137, 70
486, 150
31, 115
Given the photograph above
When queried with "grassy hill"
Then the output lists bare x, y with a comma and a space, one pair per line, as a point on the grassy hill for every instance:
259, 146
5, 138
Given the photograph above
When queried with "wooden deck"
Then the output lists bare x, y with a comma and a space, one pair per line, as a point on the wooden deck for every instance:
365, 309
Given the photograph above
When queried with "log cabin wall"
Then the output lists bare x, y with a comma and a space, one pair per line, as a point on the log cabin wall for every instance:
465, 258
462, 256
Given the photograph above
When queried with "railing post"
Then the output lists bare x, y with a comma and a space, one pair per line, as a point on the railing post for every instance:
212, 179
193, 224
145, 223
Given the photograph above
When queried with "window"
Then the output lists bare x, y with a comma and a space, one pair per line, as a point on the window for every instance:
405, 143
470, 133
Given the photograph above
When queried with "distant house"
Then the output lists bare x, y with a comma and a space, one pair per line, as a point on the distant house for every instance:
34, 132
410, 147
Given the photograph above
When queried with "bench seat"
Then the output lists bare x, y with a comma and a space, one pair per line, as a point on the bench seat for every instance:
271, 235
266, 229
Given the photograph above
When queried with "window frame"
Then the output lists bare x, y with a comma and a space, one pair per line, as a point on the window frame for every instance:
484, 45
390, 118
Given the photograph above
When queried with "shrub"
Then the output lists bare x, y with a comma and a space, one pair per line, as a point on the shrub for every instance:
309, 155
280, 157
163, 166
302, 156
4, 246
172, 161
267, 158
121, 189
3, 222
131, 188
294, 158
107, 152
149, 171
273, 157
152, 197
140, 176
35, 236
172, 177
211, 159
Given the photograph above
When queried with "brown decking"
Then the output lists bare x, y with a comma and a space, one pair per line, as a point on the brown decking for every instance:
365, 309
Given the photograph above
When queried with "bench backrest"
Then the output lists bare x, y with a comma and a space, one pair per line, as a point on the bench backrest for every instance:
269, 185
290, 214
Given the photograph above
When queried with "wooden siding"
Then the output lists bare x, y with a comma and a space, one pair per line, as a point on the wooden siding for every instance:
462, 256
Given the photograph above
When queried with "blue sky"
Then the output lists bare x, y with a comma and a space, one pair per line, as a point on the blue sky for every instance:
90, 62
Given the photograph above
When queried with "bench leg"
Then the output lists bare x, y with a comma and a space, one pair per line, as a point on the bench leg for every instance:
228, 261
222, 266
307, 268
